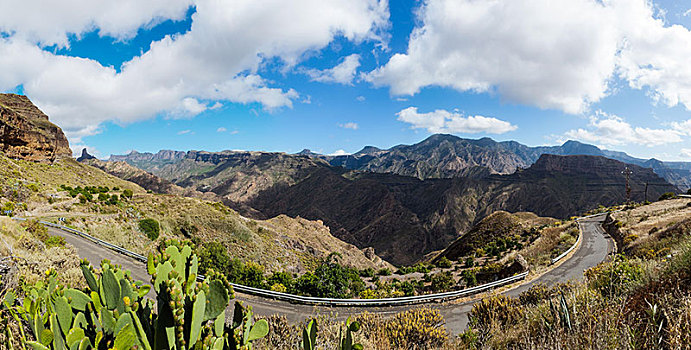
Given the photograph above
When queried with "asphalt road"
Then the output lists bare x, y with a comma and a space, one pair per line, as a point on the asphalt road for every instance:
594, 248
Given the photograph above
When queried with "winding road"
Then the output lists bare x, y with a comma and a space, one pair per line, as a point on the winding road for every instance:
594, 248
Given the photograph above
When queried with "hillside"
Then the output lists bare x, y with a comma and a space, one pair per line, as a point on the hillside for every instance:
26, 133
280, 243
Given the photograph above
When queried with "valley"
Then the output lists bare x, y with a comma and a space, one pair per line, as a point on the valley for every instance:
410, 221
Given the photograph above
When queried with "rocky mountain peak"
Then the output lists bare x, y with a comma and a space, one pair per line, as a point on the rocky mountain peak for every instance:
26, 133
85, 155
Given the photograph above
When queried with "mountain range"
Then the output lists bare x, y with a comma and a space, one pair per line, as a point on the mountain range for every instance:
408, 201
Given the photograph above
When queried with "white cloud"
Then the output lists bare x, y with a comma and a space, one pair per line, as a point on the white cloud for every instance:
685, 152
221, 129
343, 73
611, 130
559, 54
349, 125
339, 152
442, 121
682, 127
185, 132
51, 22
360, 98
687, 13
217, 60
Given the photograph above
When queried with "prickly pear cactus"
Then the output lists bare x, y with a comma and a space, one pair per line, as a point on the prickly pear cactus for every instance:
114, 313
101, 316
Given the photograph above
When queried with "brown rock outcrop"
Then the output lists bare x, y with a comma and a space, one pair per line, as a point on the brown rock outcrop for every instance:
26, 133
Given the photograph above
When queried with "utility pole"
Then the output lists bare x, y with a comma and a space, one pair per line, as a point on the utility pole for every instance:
627, 172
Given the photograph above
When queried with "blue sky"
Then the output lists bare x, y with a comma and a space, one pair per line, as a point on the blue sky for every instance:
334, 76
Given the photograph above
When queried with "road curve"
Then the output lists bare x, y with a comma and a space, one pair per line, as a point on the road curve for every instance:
594, 248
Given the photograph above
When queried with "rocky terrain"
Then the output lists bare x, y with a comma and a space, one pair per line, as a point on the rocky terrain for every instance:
26, 133
442, 156
403, 218
438, 156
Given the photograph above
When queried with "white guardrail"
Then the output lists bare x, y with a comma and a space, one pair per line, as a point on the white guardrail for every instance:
313, 300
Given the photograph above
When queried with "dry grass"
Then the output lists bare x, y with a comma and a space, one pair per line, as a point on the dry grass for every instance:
419, 328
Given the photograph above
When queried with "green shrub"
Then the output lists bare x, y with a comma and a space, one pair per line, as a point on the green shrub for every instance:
384, 272
150, 227
55, 241
102, 197
667, 195
214, 256
368, 272
469, 261
330, 280
469, 278
280, 277
614, 277
127, 193
113, 199
441, 281
444, 263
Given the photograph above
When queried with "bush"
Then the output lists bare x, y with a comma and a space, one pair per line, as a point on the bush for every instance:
368, 272
667, 195
113, 199
37, 230
444, 263
278, 287
55, 241
410, 329
102, 197
280, 277
469, 278
442, 281
497, 309
127, 193
469, 261
384, 272
614, 277
330, 280
150, 227
213, 255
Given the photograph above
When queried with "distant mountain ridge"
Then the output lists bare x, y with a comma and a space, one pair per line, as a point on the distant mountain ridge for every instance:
442, 156
405, 217
438, 156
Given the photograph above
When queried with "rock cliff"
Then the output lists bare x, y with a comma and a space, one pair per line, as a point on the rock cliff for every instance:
26, 133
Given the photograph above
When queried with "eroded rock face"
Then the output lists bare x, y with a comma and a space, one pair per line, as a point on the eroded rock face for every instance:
26, 133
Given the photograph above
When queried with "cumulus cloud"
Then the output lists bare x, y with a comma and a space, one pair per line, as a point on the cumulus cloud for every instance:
559, 54
685, 152
442, 121
360, 98
343, 73
349, 125
682, 127
51, 22
606, 129
221, 129
339, 152
217, 60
